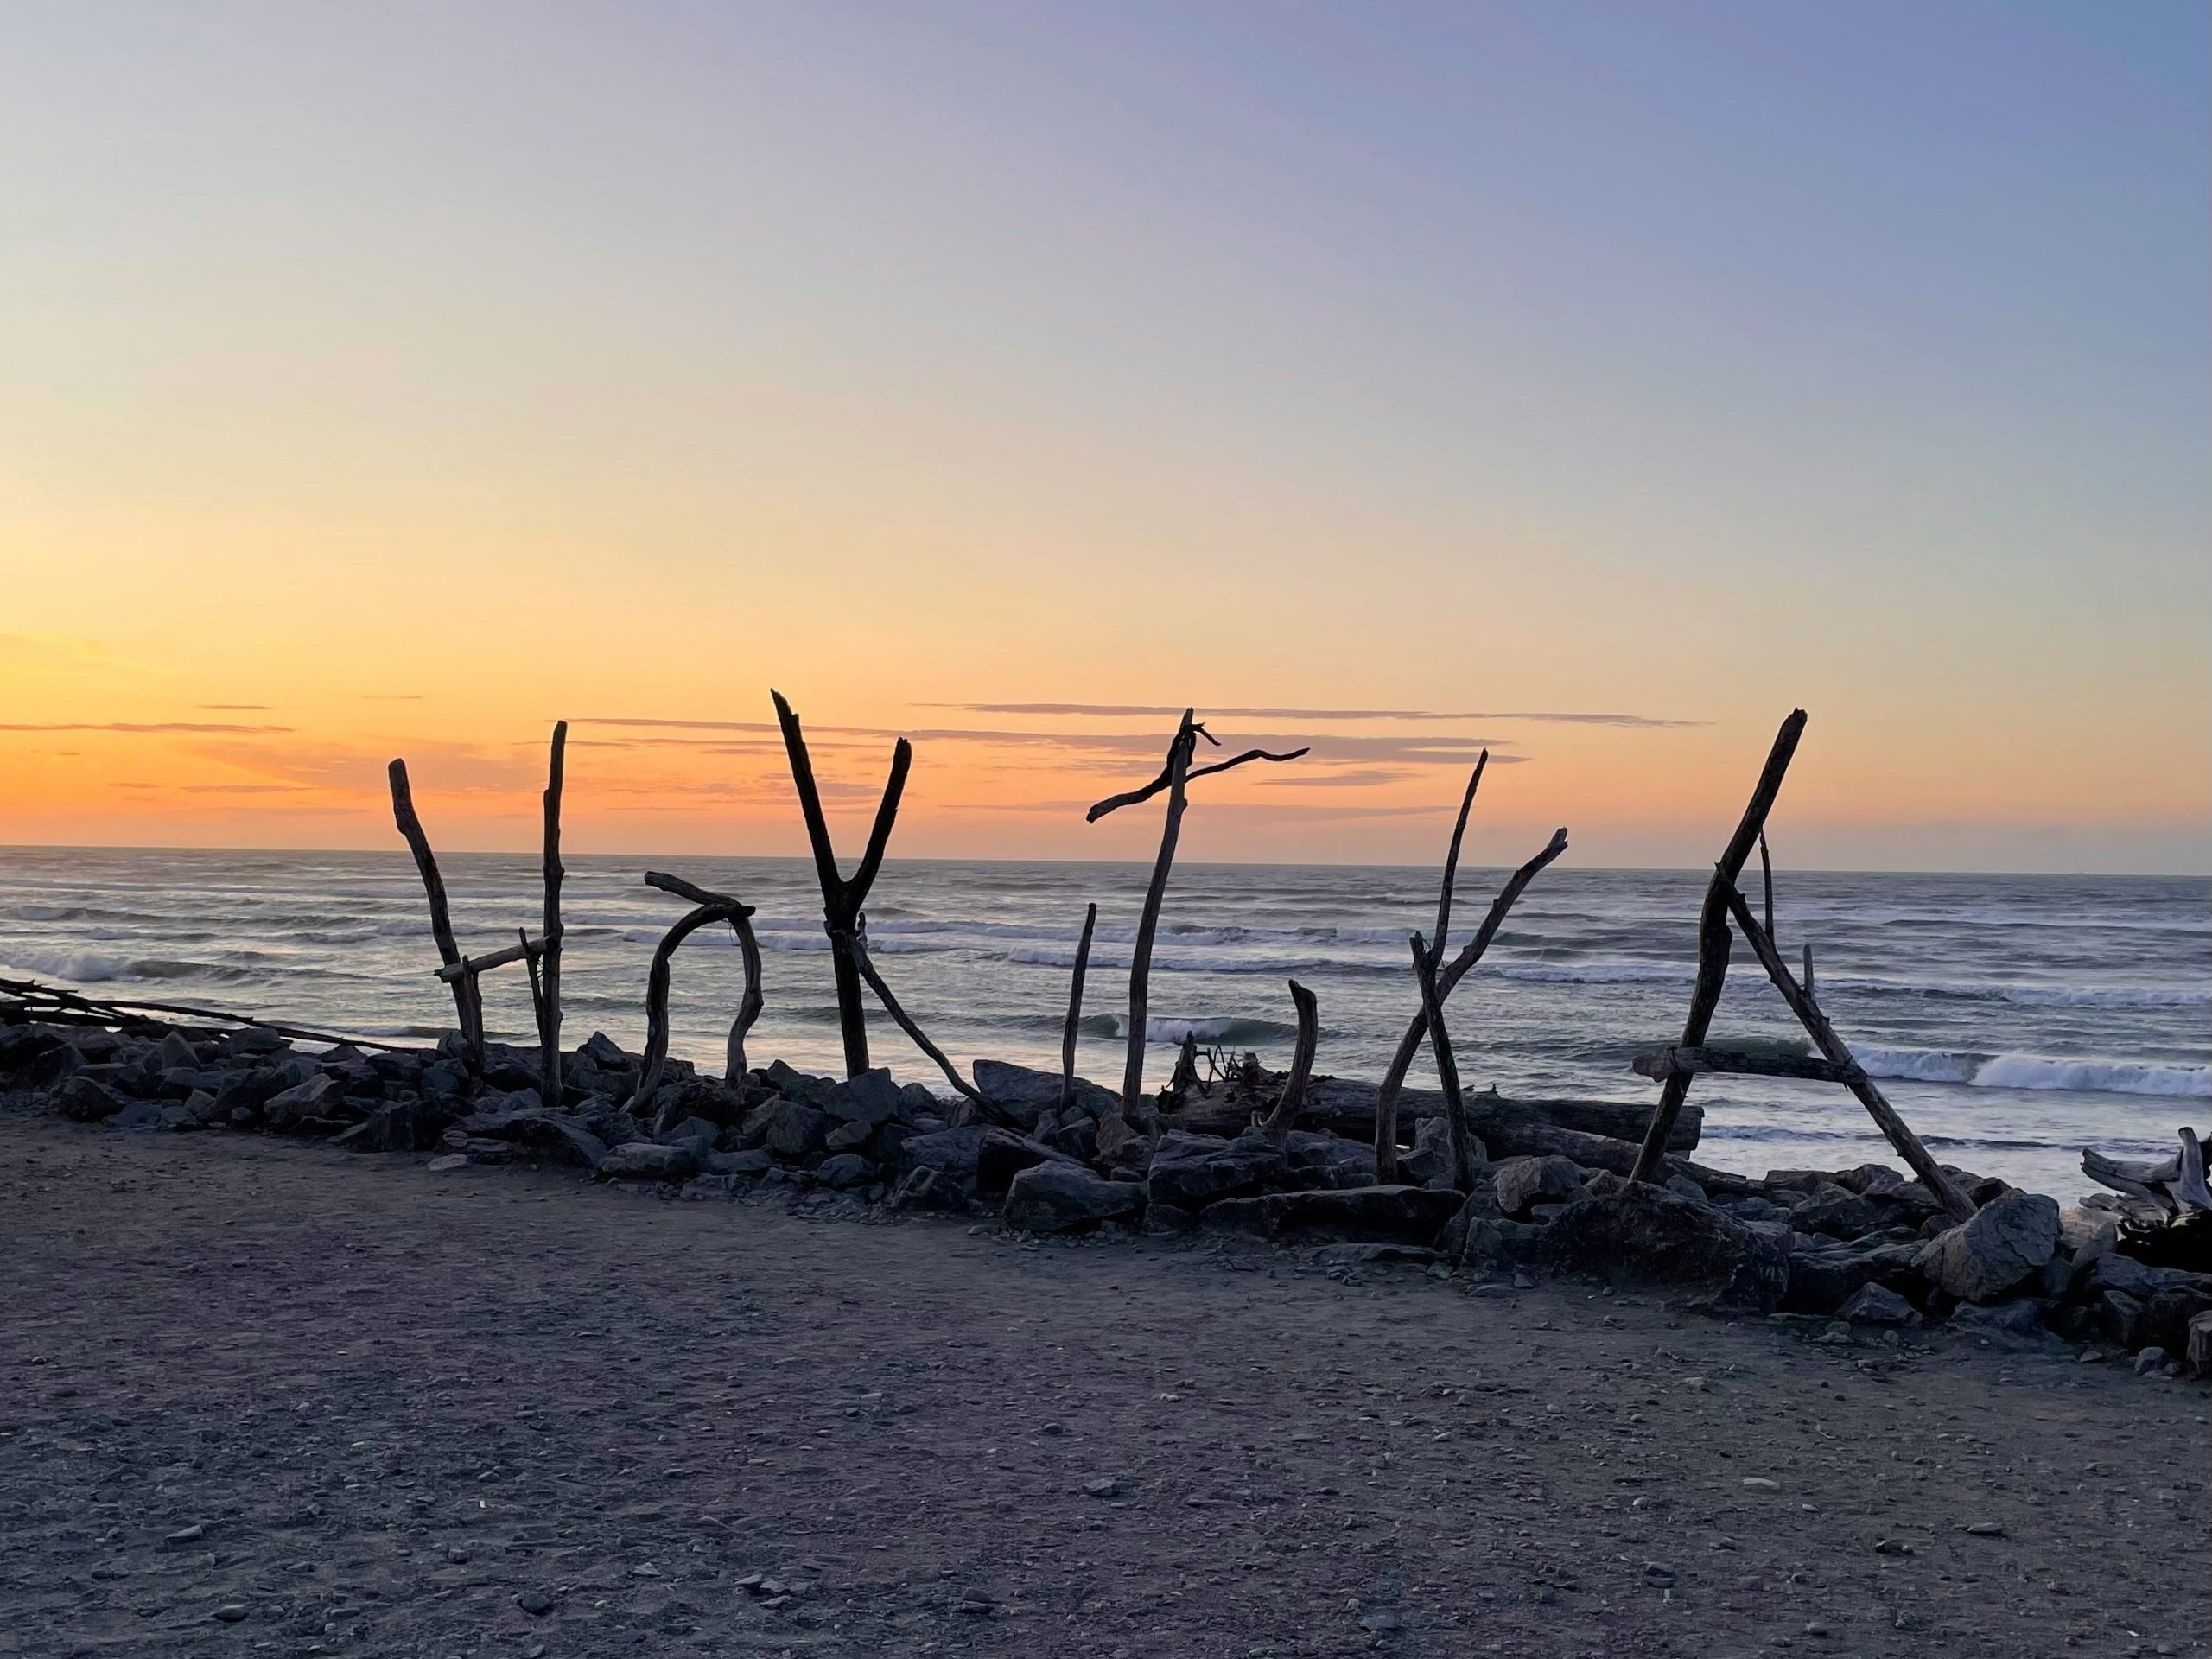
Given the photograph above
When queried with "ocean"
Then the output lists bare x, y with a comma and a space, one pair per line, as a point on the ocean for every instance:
2013, 1019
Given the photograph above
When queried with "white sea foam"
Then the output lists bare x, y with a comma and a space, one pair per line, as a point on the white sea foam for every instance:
2095, 1077
84, 967
1917, 1064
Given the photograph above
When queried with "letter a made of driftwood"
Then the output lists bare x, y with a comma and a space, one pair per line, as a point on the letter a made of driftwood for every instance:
1724, 902
1173, 777
843, 898
707, 909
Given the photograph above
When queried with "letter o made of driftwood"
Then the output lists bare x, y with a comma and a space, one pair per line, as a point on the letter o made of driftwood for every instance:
655, 1057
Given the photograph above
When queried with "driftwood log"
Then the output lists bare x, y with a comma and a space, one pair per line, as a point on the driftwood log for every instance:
906, 1022
2173, 1187
1409, 1042
1838, 1053
545, 966
842, 897
1662, 1064
1713, 939
1068, 1032
1278, 1122
748, 948
1173, 777
468, 1004
1466, 1148
709, 908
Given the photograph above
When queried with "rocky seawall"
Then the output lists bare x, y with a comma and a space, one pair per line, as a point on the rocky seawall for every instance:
1860, 1251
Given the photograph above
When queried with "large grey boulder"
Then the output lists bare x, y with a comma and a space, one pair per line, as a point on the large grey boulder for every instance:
1025, 1093
2008, 1239
790, 1129
1823, 1280
1520, 1183
1641, 1232
871, 1098
1405, 1215
87, 1100
1192, 1170
319, 1096
949, 1155
1317, 1159
1003, 1155
648, 1160
1058, 1198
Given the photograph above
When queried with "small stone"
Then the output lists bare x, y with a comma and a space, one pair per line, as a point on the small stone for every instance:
448, 1160
1892, 1546
191, 1535
2149, 1360
1103, 1486
535, 1603
1381, 1624
1985, 1529
1838, 1335
231, 1611
1052, 1429
1814, 1627
1761, 1483
457, 1555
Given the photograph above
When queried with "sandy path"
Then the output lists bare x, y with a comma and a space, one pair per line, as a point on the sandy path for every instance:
394, 1401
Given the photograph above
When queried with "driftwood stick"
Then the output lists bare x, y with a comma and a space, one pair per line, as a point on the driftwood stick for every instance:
1278, 1125
469, 967
748, 1005
1766, 878
2188, 1186
1075, 1006
106, 1010
468, 1007
905, 1023
1808, 968
1409, 1041
741, 924
843, 899
1825, 1039
1713, 943
546, 975
2148, 1182
1664, 1063
1138, 796
1466, 1148
1174, 777
1155, 893
1452, 860
656, 1055
530, 958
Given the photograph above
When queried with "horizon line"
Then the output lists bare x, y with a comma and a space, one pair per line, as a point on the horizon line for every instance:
1135, 863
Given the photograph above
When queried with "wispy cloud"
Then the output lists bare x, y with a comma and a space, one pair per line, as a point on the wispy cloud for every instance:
1117, 710
239, 707
202, 727
219, 789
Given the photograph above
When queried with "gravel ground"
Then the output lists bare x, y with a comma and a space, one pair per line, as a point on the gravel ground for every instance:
268, 1398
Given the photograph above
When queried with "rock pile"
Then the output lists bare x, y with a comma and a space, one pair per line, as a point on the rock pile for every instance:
1861, 1247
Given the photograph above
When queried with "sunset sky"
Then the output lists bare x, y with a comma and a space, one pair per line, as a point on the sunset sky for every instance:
1593, 382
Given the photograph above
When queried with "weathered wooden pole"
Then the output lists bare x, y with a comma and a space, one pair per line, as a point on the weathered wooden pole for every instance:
1409, 1041
1068, 1032
843, 898
1466, 1148
546, 976
1712, 940
1838, 1053
1174, 777
1281, 1121
468, 1007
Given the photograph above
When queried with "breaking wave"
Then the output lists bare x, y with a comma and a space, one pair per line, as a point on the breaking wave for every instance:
2093, 1076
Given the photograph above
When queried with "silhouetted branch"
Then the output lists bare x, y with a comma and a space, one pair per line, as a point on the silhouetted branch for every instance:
1714, 940
1075, 1008
1277, 1126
